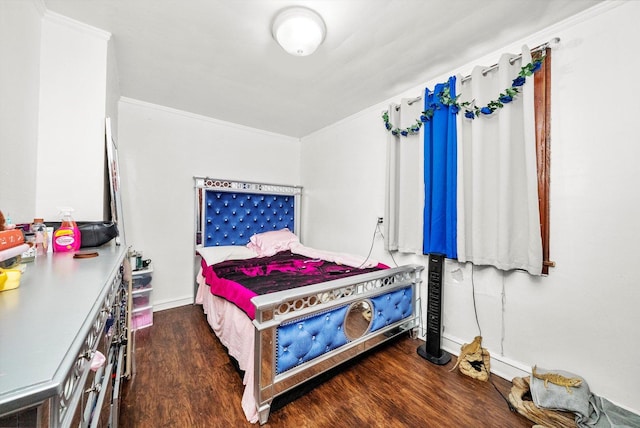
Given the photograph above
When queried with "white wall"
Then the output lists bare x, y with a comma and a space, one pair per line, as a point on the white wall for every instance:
112, 95
160, 151
583, 317
111, 109
70, 156
20, 26
54, 88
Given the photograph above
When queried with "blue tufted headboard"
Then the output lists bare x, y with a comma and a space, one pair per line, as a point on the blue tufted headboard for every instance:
230, 212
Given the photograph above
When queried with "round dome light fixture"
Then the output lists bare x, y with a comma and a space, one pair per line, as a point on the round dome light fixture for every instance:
299, 30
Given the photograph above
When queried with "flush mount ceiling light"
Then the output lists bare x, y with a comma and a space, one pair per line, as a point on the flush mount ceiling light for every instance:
298, 30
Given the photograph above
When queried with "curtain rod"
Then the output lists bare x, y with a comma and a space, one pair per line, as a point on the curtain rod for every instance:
542, 47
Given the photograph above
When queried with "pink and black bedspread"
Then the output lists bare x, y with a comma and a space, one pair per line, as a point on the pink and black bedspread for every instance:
240, 280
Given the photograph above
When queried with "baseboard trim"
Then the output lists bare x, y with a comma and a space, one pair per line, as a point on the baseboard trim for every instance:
501, 366
173, 303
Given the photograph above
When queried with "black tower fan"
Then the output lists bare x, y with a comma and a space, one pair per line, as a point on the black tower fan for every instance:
431, 349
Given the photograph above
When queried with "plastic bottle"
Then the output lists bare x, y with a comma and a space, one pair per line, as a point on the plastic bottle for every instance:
8, 223
39, 229
67, 237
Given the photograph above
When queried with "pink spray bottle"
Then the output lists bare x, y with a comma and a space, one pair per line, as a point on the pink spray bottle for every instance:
67, 237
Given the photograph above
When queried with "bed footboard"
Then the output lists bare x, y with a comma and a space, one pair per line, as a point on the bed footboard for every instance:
304, 332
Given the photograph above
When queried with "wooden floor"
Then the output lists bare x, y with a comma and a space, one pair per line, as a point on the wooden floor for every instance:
184, 378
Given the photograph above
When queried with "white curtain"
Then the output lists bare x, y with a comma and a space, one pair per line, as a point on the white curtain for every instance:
498, 216
405, 182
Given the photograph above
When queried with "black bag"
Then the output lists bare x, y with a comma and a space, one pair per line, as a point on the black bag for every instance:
95, 234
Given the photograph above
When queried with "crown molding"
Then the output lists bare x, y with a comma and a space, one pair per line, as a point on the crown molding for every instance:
40, 7
195, 116
75, 25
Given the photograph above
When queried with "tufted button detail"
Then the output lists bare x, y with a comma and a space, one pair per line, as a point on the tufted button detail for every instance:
228, 211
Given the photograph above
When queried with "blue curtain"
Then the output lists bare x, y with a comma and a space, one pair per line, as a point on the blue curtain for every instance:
440, 169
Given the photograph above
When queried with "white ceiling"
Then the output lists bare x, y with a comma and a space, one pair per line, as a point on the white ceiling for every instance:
217, 58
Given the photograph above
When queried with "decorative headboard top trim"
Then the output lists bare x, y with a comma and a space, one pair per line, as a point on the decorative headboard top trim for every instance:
245, 186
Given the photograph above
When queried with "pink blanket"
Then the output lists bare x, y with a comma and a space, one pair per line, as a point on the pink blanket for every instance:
236, 333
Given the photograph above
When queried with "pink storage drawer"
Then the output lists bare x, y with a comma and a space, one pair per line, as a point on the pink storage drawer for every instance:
141, 318
141, 298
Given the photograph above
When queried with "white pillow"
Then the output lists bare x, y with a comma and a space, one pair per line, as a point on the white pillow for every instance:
213, 255
269, 243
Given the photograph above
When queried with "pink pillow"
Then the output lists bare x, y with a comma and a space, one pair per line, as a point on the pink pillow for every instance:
269, 243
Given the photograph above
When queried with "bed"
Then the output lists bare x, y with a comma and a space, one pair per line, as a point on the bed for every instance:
283, 338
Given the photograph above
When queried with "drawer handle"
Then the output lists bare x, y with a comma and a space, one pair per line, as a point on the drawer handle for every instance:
95, 388
88, 355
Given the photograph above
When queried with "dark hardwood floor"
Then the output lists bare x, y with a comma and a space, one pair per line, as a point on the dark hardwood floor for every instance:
184, 378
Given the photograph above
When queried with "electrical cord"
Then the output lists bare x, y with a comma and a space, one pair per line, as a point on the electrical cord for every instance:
473, 294
373, 240
511, 407
376, 230
388, 251
482, 365
421, 331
